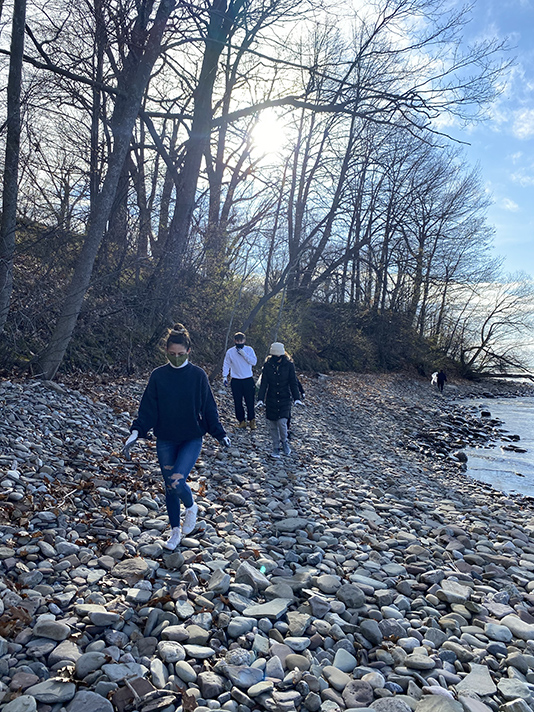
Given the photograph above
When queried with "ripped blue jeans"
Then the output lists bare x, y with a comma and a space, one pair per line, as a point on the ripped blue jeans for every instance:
176, 461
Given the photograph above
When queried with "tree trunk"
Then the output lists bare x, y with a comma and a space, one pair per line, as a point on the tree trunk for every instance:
11, 167
131, 86
171, 261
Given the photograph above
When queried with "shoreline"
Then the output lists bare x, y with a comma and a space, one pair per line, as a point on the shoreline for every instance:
363, 571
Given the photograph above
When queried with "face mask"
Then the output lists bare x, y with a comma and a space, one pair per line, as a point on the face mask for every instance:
239, 346
277, 359
177, 360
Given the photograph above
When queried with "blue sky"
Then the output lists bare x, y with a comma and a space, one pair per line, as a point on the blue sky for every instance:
503, 145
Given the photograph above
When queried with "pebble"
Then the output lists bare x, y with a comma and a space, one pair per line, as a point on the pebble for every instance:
311, 583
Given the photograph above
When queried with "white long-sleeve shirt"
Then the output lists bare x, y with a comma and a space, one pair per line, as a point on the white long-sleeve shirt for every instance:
238, 362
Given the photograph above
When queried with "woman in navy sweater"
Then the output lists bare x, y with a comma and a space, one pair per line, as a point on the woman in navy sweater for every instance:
178, 405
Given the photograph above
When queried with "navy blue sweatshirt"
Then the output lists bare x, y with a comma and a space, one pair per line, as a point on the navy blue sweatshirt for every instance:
178, 405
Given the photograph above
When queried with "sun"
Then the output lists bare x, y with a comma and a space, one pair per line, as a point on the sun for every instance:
268, 136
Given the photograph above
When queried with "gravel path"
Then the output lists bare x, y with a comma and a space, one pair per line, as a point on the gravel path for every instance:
363, 571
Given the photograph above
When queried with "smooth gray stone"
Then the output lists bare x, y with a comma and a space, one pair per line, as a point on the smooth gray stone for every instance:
89, 662
519, 628
273, 610
478, 680
184, 609
351, 595
436, 636
199, 652
463, 655
238, 601
336, 677
211, 685
510, 689
185, 671
177, 633
328, 584
472, 704
197, 635
171, 651
319, 605
453, 592
66, 650
298, 622
500, 633
55, 630
291, 524
518, 705
265, 686
243, 676
246, 573
438, 703
418, 661
118, 671
40, 647
52, 691
390, 627
520, 662
295, 660
104, 618
370, 630
367, 581
239, 626
297, 643
135, 568
87, 701
390, 704
219, 582
274, 668
159, 673
24, 703
278, 590
344, 660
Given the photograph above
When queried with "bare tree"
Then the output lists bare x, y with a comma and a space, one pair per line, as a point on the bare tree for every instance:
131, 86
10, 188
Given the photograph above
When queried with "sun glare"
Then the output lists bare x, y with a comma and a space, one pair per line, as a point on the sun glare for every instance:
268, 135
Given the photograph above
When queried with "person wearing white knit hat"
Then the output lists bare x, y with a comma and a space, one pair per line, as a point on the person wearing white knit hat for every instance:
277, 388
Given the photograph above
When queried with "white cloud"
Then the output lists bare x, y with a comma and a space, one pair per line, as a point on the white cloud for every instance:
523, 127
524, 176
510, 205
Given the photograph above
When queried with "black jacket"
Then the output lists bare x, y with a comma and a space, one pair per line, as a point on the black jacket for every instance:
278, 387
178, 405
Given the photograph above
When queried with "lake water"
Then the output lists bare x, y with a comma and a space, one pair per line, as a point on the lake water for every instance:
509, 472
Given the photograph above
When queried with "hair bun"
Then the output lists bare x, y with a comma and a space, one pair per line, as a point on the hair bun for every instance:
179, 328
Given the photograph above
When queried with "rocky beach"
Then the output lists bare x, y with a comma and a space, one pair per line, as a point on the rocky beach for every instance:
363, 571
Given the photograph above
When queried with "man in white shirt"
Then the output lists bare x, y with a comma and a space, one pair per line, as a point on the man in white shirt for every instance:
238, 364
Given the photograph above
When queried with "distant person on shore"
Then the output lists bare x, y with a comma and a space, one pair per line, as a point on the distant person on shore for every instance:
238, 363
441, 378
277, 389
178, 405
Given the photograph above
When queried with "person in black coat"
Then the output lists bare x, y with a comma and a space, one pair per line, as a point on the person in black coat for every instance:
178, 405
278, 388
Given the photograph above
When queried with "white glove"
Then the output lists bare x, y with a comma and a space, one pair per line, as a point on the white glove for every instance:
299, 402
128, 444
259, 404
226, 441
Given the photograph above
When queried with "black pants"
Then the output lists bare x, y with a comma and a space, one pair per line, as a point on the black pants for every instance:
243, 388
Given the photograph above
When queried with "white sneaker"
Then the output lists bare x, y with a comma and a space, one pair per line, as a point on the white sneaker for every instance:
190, 518
174, 539
276, 454
286, 449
